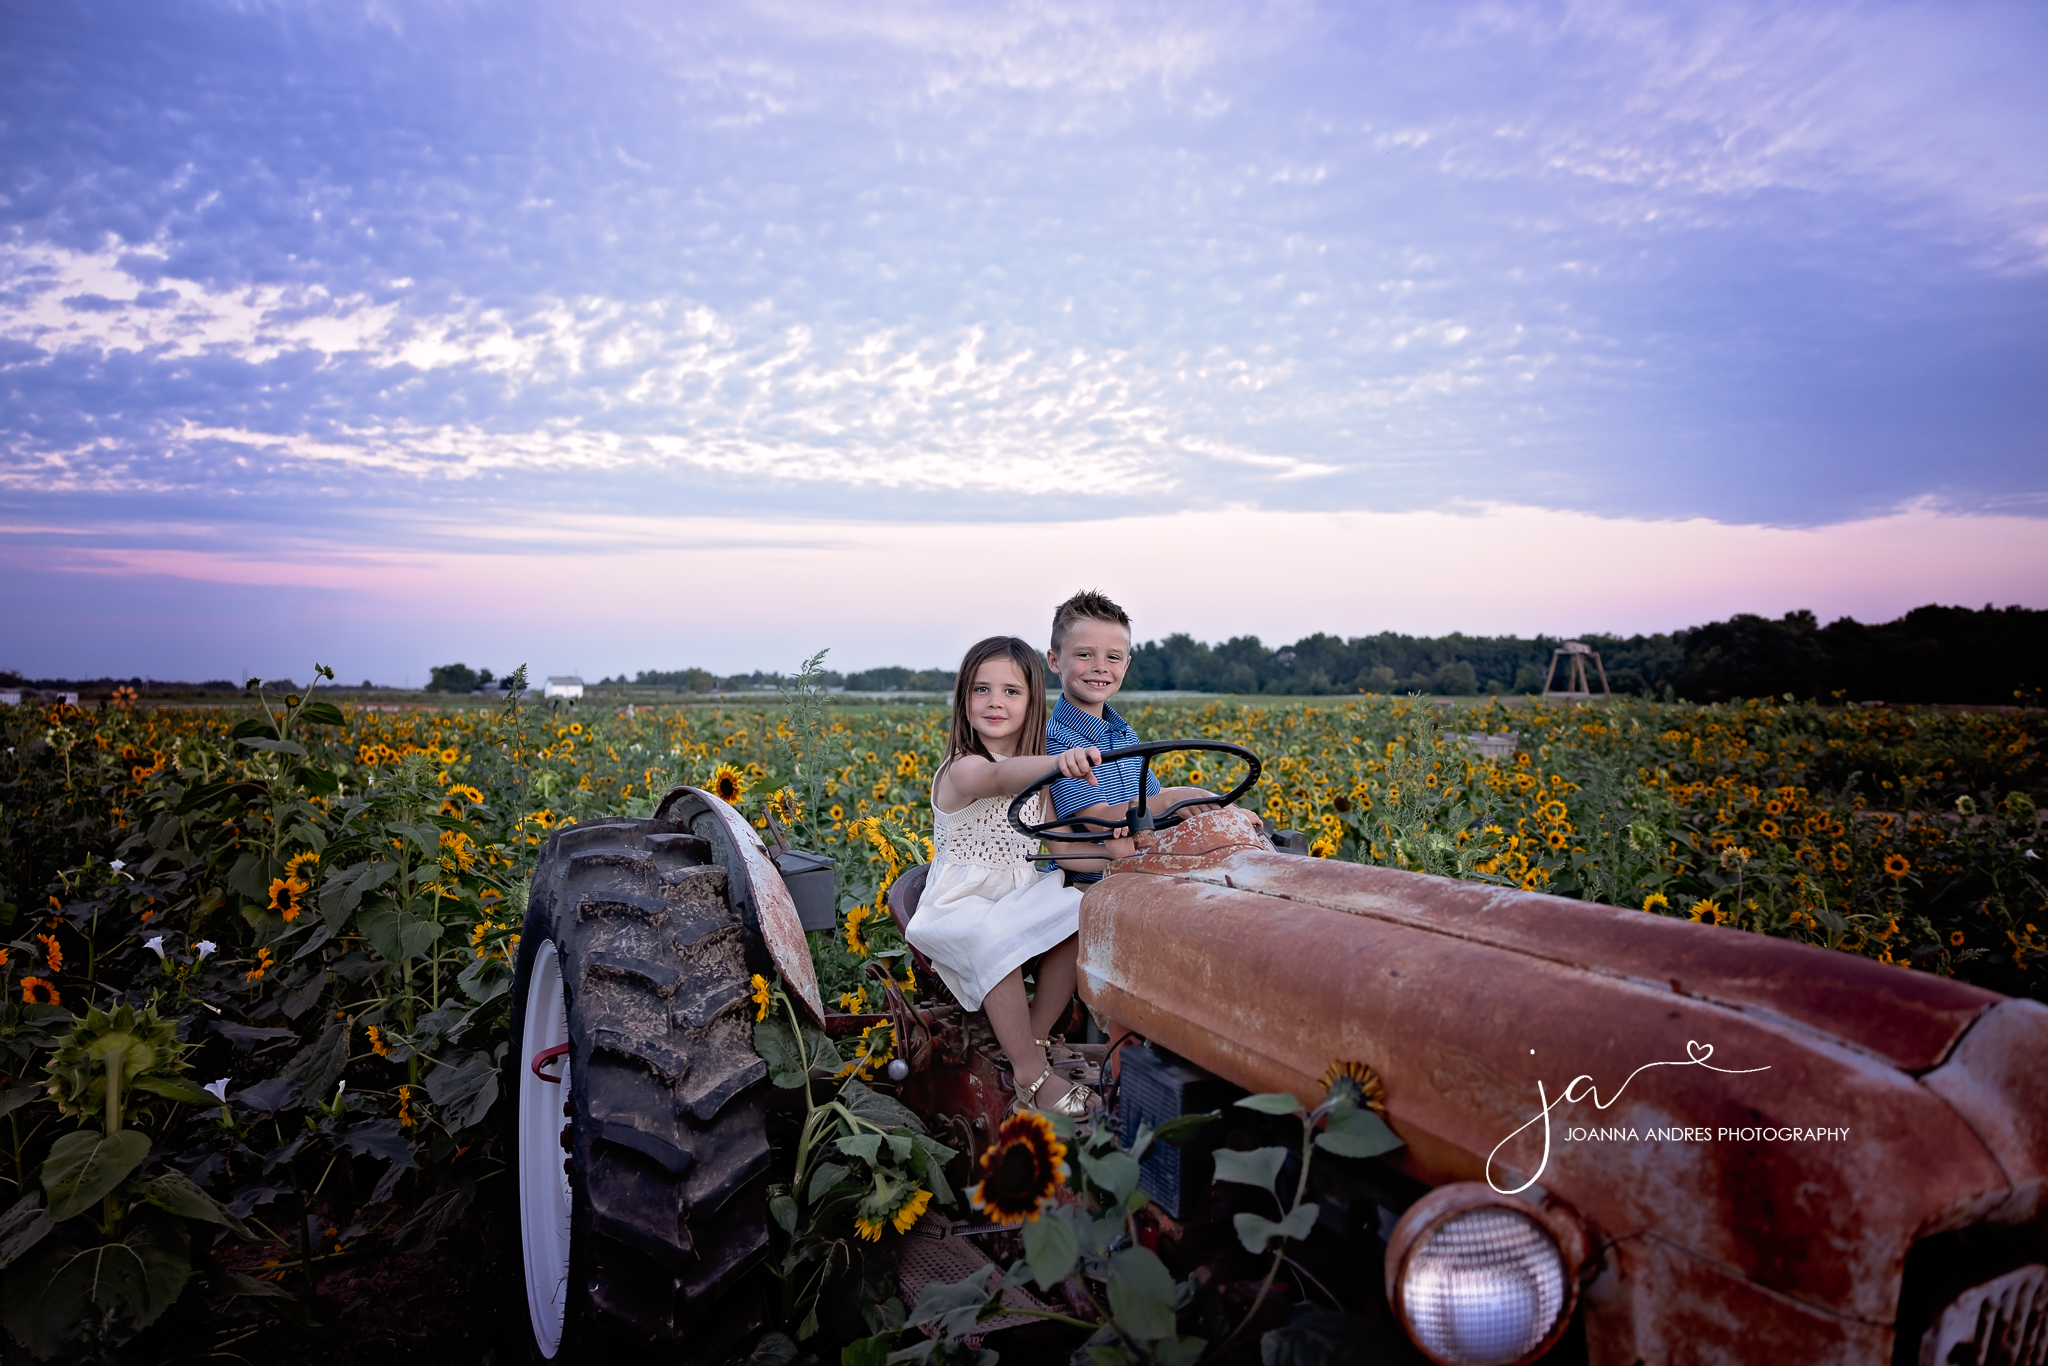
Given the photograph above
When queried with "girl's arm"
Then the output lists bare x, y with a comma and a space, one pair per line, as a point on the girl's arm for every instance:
969, 777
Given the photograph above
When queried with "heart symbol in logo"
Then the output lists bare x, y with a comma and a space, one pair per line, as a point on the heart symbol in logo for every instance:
1698, 1052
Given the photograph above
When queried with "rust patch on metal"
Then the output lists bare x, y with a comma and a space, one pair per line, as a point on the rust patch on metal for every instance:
1196, 840
1909, 1019
1267, 991
2005, 1054
1656, 1302
774, 912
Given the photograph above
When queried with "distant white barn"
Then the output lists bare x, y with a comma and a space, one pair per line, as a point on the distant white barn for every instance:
567, 685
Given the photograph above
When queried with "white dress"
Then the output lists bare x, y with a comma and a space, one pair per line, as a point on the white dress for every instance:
985, 909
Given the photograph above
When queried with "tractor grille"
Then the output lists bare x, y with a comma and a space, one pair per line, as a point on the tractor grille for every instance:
1151, 1089
2003, 1322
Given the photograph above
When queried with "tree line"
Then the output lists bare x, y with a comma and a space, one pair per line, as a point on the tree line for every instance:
1931, 654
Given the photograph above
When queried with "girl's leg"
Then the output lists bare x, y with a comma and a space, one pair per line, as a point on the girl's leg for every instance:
1009, 1015
1056, 977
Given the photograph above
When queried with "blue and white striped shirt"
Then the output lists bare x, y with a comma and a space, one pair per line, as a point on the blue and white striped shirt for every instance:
1071, 728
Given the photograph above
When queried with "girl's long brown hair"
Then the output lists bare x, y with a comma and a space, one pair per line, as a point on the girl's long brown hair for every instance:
963, 739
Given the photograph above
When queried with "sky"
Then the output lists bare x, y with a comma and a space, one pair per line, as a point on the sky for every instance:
607, 337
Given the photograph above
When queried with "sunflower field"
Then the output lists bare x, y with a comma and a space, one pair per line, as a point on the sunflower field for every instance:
255, 961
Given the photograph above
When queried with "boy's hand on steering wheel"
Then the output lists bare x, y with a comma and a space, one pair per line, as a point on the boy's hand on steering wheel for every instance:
1080, 763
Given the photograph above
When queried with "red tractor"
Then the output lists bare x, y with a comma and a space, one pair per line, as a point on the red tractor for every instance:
1627, 1138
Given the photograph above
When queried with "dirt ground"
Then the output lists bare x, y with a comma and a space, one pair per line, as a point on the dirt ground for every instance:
453, 1306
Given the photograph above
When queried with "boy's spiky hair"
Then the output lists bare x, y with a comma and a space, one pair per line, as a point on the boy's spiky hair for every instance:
1086, 605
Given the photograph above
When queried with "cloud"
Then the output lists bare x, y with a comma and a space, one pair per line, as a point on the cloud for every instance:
655, 384
606, 593
923, 260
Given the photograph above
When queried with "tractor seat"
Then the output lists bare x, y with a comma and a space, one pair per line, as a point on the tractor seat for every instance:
904, 892
902, 899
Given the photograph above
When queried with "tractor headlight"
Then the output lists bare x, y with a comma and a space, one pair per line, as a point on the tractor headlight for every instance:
1480, 1279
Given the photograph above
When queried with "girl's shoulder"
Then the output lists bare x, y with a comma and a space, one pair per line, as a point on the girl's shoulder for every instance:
944, 770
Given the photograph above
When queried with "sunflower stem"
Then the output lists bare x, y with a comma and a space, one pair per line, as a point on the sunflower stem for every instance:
1308, 1134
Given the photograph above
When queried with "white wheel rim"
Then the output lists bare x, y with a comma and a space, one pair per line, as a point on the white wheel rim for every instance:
543, 1173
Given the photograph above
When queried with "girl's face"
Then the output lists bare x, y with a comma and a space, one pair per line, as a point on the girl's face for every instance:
996, 703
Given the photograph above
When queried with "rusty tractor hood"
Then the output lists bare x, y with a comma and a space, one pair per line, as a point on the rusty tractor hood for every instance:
1466, 998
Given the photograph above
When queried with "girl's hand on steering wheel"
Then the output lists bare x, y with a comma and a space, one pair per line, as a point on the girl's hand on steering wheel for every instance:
1080, 763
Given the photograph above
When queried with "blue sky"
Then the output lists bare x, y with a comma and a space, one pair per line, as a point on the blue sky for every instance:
636, 335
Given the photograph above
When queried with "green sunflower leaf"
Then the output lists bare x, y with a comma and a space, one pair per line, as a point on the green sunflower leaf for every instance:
176, 1088
1272, 1103
1175, 1131
1051, 1247
1141, 1294
1114, 1172
863, 1146
24, 1225
824, 1179
1258, 1167
1257, 1233
84, 1167
1357, 1133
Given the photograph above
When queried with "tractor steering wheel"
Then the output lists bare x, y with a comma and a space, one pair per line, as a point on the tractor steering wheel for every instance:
1137, 818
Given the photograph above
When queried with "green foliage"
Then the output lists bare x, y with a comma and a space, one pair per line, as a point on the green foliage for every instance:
316, 924
1932, 654
864, 1169
1138, 1305
457, 678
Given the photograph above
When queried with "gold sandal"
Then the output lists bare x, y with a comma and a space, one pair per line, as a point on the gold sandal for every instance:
1074, 1104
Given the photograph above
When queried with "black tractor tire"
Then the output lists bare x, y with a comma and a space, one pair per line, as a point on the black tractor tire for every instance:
666, 1141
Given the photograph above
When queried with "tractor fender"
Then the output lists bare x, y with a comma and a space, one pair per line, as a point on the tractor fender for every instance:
756, 887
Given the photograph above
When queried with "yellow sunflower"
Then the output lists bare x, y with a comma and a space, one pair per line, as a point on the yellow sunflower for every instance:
1895, 865
1656, 901
760, 985
912, 1209
1359, 1081
854, 943
286, 897
728, 784
1552, 811
786, 805
1557, 839
1021, 1169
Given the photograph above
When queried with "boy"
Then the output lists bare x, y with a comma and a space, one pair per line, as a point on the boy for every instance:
1091, 650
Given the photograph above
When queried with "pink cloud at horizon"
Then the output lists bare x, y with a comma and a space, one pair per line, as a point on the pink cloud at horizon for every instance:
610, 594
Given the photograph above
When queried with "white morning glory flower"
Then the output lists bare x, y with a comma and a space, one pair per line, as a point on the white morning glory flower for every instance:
205, 946
117, 865
155, 944
219, 1090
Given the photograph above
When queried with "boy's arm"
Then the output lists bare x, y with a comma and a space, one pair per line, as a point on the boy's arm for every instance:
1086, 855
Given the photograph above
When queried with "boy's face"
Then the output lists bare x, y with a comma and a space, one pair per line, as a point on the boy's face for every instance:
1091, 662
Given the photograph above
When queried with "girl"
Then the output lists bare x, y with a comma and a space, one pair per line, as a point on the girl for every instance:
985, 910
